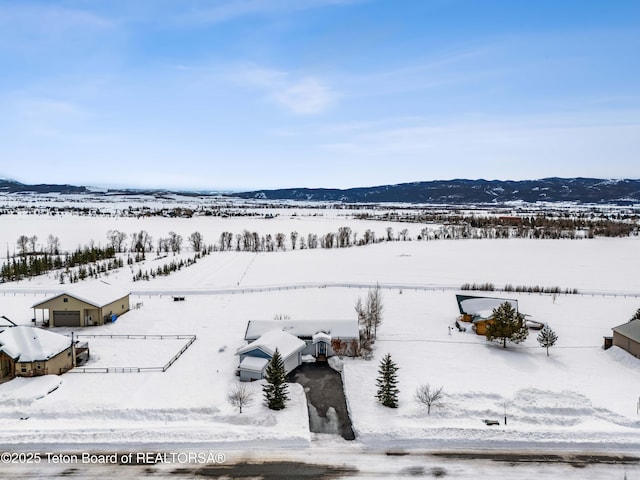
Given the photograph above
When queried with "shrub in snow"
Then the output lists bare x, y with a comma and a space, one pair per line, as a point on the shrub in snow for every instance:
547, 338
240, 396
276, 389
429, 396
387, 382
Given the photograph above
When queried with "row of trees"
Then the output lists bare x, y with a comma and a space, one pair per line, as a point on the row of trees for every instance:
548, 225
167, 268
142, 242
490, 287
248, 241
25, 266
28, 245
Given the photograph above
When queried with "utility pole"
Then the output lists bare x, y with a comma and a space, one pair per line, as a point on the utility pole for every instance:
505, 413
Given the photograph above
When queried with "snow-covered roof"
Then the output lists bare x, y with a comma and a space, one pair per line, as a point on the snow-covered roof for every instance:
96, 293
321, 337
482, 307
630, 330
254, 364
31, 344
286, 344
304, 328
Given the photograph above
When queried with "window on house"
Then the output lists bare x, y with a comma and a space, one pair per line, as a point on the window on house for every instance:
23, 370
65, 300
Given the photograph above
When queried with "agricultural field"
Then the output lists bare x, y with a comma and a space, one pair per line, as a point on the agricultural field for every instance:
580, 398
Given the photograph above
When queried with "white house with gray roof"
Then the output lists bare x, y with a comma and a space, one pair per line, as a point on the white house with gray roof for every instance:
318, 335
294, 339
255, 356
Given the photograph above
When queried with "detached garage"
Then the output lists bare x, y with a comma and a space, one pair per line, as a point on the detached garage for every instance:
86, 305
627, 337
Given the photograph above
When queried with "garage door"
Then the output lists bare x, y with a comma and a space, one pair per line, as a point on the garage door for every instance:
66, 319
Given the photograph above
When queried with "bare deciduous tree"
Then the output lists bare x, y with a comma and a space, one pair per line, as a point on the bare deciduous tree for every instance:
141, 242
370, 315
163, 245
22, 243
429, 396
175, 242
375, 308
240, 396
116, 239
195, 239
53, 244
280, 239
225, 241
312, 240
32, 242
344, 237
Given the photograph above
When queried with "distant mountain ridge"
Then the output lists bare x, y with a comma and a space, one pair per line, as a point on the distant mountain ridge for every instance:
458, 191
461, 191
11, 186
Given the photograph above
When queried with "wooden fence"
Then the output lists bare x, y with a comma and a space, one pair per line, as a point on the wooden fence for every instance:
190, 339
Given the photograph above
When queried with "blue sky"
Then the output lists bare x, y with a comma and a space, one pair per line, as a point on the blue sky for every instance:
248, 94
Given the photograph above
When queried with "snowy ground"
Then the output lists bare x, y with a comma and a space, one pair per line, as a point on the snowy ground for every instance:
580, 398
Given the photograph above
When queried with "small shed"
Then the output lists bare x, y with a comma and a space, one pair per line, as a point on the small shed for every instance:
627, 337
255, 356
27, 351
89, 304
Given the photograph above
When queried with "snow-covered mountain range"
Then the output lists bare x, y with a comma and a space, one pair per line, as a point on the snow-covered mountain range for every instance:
457, 191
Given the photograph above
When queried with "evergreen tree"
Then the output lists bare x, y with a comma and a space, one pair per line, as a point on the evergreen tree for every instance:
636, 316
276, 389
547, 338
387, 383
507, 324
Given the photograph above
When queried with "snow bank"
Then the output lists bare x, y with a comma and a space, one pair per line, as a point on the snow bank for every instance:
24, 391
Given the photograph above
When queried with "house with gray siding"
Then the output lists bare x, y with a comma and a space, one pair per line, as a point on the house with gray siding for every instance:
319, 335
255, 357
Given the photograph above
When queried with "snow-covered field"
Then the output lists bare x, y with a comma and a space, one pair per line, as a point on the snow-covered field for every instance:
580, 398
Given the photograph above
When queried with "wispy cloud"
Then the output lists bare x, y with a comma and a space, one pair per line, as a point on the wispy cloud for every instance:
232, 9
305, 97
297, 93
47, 19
